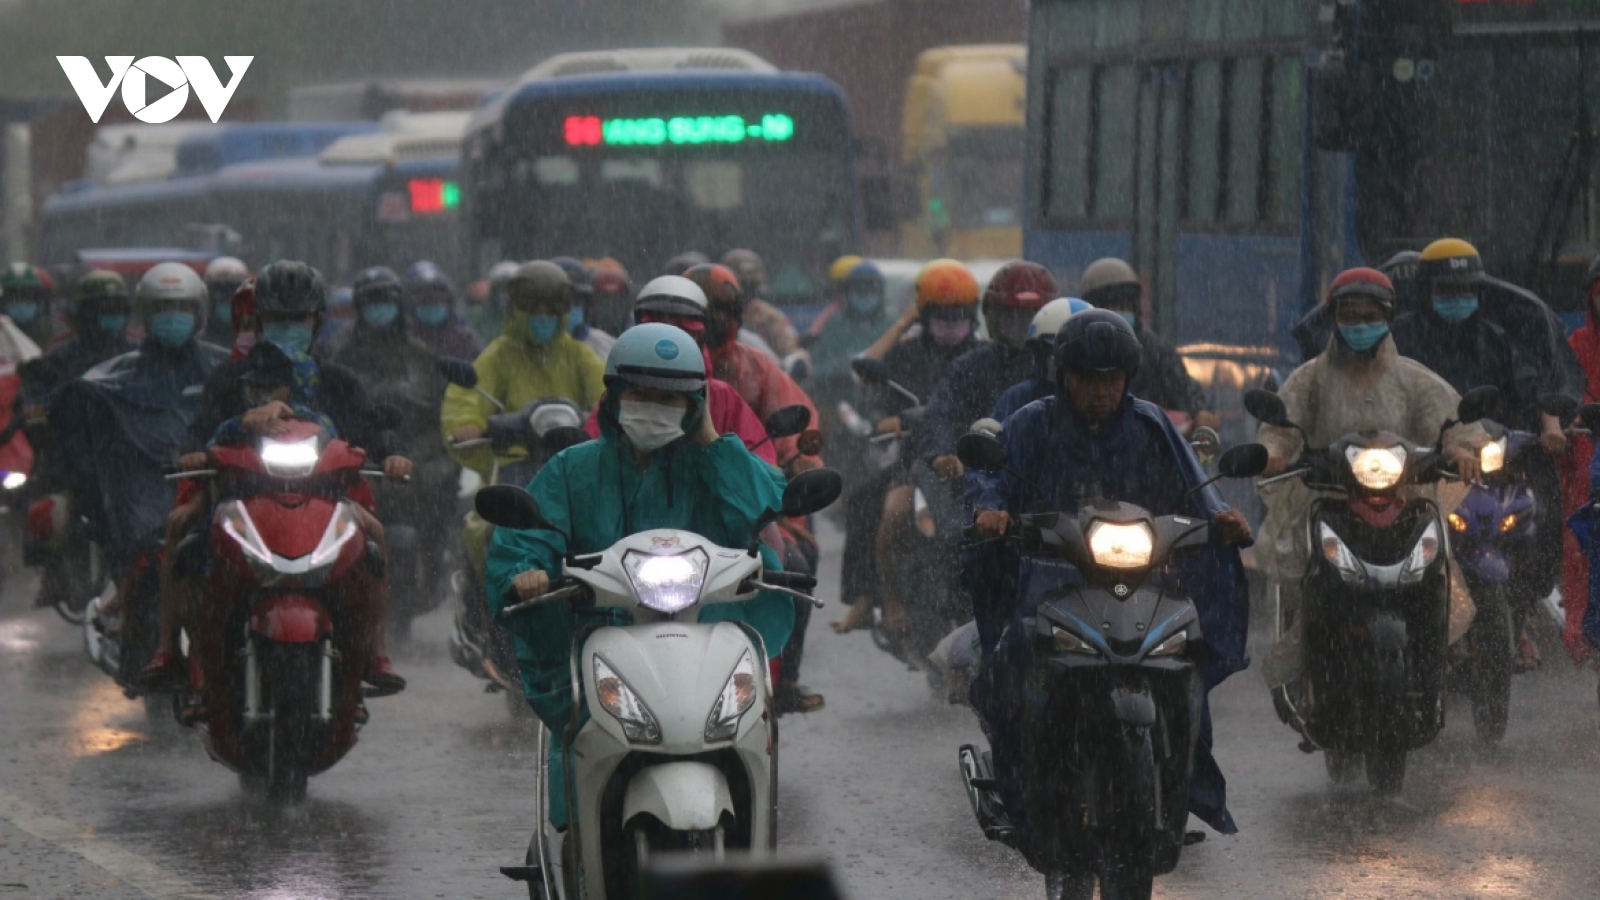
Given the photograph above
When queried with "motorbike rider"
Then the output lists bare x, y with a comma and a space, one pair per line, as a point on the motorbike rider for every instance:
679, 302
658, 463
1575, 478
878, 512
1095, 439
762, 317
289, 301
27, 297
431, 299
223, 276
1453, 334
1042, 341
578, 316
611, 307
1359, 382
844, 328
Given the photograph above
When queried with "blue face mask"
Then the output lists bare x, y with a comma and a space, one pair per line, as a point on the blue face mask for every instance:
1457, 308
223, 311
172, 328
433, 313
1363, 337
113, 322
543, 329
380, 315
864, 302
574, 319
23, 311
293, 338
1131, 318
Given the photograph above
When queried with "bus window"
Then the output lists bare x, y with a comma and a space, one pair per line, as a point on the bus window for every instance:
1244, 97
551, 170
714, 184
1066, 176
1203, 199
1283, 147
1111, 175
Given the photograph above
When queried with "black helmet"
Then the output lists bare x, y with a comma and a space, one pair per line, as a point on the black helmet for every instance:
577, 273
684, 261
290, 288
1097, 341
376, 285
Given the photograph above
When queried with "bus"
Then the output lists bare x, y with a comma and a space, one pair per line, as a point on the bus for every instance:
643, 154
1242, 152
961, 148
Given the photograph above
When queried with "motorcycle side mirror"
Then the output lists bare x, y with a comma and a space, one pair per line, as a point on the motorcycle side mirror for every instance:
1243, 461
386, 417
458, 372
985, 426
564, 436
1266, 407
1589, 415
40, 370
812, 492
870, 371
1561, 406
1206, 443
788, 421
1478, 403
810, 442
508, 506
980, 451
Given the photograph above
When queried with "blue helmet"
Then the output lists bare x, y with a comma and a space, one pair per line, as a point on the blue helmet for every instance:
1048, 320
426, 277
577, 273
659, 356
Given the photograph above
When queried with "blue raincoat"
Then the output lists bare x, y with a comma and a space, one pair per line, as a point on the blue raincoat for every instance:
1136, 456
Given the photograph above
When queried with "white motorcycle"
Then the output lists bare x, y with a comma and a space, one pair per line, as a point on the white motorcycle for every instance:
680, 748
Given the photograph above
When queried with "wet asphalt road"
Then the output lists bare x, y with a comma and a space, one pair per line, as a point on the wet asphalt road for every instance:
96, 801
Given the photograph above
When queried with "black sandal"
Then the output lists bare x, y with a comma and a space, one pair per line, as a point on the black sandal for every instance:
797, 698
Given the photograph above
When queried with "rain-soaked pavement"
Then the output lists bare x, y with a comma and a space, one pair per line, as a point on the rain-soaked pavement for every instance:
95, 801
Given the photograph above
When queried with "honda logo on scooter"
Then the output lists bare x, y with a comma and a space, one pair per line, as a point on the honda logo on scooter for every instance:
188, 71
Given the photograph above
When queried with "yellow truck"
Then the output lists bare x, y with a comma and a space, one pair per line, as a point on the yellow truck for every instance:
961, 149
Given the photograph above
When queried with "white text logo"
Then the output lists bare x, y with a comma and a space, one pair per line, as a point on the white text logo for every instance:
188, 71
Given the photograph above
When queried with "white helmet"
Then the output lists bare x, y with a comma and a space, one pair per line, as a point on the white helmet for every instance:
226, 267
672, 295
1050, 317
168, 283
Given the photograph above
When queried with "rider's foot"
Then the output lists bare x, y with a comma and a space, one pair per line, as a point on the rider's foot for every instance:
193, 714
859, 616
796, 698
383, 678
1527, 654
894, 619
165, 672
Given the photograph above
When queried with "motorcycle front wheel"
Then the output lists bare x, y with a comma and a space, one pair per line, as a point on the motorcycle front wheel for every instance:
1491, 642
1343, 766
1069, 886
1386, 771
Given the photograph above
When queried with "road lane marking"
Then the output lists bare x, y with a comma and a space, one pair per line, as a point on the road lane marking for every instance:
116, 861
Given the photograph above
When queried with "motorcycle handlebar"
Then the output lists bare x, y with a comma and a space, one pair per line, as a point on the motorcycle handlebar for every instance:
555, 596
468, 445
799, 581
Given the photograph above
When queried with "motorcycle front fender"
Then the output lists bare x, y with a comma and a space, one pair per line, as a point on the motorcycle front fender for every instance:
683, 796
291, 619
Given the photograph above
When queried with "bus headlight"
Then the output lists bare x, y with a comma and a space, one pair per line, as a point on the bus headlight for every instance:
1376, 468
1118, 546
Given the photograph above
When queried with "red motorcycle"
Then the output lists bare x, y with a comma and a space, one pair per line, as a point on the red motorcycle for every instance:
282, 634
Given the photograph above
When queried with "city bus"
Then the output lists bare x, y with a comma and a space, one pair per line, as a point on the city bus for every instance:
1241, 152
643, 154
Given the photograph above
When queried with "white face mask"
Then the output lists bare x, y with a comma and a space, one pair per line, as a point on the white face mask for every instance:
650, 426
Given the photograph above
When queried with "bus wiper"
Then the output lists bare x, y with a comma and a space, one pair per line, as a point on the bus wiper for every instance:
1573, 177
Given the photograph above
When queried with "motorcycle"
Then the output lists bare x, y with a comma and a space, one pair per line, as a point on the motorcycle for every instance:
1108, 735
1493, 535
1376, 606
279, 650
679, 749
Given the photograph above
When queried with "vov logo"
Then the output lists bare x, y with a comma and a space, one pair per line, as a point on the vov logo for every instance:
187, 72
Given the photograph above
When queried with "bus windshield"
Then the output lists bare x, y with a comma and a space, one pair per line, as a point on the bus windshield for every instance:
1483, 143
985, 188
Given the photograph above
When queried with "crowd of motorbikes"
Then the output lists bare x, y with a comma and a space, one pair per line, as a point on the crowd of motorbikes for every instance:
678, 734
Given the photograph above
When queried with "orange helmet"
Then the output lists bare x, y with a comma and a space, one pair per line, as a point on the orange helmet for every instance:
719, 283
946, 282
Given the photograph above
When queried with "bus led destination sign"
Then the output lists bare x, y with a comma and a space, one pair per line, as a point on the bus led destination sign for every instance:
593, 131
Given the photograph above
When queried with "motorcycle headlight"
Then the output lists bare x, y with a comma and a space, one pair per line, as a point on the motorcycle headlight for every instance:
735, 700
1458, 522
1509, 523
1422, 555
1492, 458
666, 584
638, 723
1067, 642
1376, 468
1118, 546
1172, 646
1339, 556
289, 459
13, 480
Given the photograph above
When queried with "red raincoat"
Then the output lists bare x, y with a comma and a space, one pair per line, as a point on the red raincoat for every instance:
1585, 342
729, 414
763, 384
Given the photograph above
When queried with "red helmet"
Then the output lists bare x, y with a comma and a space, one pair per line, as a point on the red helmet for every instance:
1365, 283
719, 283
1021, 285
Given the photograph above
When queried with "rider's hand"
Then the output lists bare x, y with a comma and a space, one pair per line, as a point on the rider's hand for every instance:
1276, 465
268, 418
1235, 527
1467, 465
397, 467
706, 433
466, 433
192, 462
889, 425
33, 411
1553, 439
530, 584
1205, 418
948, 467
803, 464
993, 523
